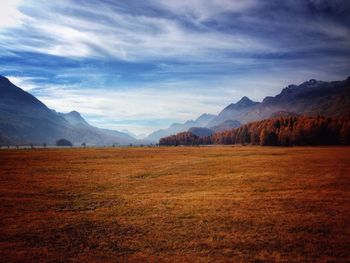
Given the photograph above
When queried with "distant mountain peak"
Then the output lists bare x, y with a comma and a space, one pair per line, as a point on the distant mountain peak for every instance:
74, 118
311, 82
287, 90
74, 113
205, 117
234, 111
245, 101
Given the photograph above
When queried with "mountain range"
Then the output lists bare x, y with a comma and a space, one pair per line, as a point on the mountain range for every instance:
26, 120
311, 98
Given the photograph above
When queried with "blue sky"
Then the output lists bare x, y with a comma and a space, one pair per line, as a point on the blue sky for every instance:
141, 65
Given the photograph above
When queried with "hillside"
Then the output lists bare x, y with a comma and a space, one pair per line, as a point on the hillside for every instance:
234, 111
24, 119
311, 98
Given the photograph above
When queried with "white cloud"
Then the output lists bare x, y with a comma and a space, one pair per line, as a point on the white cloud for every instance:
25, 83
9, 14
202, 10
70, 29
123, 36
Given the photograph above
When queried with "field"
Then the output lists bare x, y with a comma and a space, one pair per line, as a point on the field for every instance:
177, 204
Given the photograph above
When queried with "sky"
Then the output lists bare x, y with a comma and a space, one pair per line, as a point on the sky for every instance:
141, 65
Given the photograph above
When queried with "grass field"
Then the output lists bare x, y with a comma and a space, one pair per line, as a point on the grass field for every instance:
180, 204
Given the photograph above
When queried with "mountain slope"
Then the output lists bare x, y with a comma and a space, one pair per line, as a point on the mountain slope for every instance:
234, 111
74, 118
25, 119
311, 98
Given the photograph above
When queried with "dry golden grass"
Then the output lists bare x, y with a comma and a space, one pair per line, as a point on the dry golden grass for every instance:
179, 204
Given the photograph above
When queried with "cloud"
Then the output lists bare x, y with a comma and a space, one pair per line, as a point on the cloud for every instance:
98, 32
195, 30
25, 83
203, 10
145, 64
9, 14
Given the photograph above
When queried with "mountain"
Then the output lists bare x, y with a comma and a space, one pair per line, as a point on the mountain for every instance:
311, 98
74, 118
24, 119
201, 121
94, 135
234, 111
226, 119
204, 119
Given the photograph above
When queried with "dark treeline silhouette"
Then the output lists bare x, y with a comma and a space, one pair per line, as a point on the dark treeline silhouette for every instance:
281, 131
63, 142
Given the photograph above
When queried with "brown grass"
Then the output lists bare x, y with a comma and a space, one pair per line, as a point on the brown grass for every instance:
179, 204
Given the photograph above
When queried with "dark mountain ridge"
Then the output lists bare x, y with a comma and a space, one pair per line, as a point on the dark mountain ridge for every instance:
243, 103
311, 98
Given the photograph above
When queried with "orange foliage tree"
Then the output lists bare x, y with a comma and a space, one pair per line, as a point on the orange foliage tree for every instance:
283, 131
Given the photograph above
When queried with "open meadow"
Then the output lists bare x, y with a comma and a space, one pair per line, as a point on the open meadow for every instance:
176, 204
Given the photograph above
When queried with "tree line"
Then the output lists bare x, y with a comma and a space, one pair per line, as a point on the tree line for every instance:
281, 131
